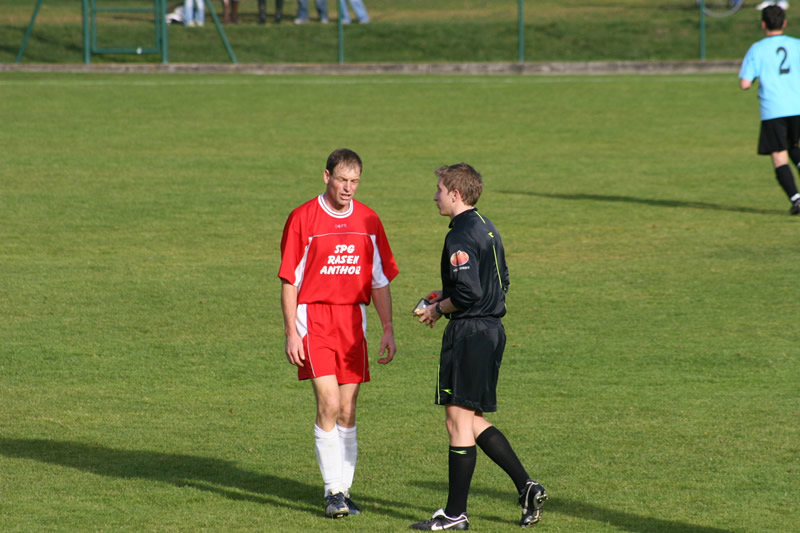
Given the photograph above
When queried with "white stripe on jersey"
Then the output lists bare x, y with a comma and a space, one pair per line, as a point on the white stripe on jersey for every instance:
302, 320
379, 279
331, 212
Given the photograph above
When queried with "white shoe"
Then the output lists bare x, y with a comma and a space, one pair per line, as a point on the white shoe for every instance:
783, 5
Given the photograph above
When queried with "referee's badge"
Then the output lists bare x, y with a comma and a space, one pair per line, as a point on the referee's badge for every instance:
459, 258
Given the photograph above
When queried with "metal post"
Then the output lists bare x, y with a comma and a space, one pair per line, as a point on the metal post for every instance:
342, 7
521, 32
93, 23
221, 32
161, 19
28, 31
702, 30
87, 53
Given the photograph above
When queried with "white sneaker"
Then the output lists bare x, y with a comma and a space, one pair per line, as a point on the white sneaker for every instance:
765, 3
783, 5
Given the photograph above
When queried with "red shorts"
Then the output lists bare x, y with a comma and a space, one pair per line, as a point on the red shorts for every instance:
334, 342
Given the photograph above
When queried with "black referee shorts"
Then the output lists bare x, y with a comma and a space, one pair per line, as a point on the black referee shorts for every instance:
778, 134
472, 350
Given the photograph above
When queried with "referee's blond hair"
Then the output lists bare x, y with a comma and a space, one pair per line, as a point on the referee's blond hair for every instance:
463, 178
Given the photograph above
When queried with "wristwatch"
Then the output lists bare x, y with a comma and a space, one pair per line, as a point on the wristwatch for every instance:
439, 309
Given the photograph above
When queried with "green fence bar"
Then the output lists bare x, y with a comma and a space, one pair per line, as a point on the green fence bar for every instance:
521, 32
28, 31
702, 30
221, 32
341, 34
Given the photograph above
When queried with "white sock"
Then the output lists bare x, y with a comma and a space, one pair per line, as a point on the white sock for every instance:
329, 457
349, 446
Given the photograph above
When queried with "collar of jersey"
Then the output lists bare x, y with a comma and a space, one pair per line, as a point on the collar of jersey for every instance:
461, 215
331, 212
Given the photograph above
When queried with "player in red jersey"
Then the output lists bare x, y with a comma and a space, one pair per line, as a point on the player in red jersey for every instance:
335, 258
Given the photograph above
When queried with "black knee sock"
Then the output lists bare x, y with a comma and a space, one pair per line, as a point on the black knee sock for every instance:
462, 465
495, 445
794, 154
785, 177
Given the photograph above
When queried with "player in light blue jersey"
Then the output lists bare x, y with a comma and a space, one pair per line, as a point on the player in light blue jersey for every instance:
775, 62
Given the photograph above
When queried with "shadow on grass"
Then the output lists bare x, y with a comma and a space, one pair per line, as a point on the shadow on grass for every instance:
217, 476
656, 202
40, 45
577, 509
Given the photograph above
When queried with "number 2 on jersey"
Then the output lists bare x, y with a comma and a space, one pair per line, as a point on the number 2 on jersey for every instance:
783, 69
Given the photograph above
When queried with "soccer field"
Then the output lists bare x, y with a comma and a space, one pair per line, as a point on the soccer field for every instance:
651, 376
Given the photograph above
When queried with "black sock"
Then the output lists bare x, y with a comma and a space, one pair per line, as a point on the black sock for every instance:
462, 465
794, 154
495, 445
785, 177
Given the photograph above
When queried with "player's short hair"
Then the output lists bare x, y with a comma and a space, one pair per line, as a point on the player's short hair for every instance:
773, 17
463, 178
343, 156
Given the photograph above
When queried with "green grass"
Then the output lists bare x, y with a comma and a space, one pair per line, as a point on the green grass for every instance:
401, 31
650, 380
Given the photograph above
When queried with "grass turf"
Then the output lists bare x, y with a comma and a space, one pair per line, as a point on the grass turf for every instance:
650, 377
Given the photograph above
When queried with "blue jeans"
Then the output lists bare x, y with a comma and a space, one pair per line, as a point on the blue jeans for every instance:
189, 13
358, 8
321, 5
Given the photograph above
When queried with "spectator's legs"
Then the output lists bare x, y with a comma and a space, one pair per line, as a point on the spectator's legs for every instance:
226, 11
322, 9
360, 10
344, 15
302, 11
188, 12
200, 15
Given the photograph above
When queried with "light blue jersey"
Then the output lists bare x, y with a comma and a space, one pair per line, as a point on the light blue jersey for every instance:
775, 61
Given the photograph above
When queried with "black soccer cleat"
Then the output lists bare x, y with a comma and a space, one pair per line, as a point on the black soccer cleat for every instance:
441, 521
795, 210
531, 498
351, 506
335, 506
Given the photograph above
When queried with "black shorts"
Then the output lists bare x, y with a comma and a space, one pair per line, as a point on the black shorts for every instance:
472, 350
778, 134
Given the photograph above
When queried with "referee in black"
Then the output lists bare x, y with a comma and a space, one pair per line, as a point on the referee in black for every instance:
474, 284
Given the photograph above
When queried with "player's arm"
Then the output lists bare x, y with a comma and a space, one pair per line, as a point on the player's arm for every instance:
749, 70
294, 344
382, 299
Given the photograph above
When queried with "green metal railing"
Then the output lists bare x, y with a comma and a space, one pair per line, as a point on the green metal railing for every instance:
160, 44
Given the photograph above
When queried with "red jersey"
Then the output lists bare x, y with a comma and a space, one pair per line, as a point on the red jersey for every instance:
335, 258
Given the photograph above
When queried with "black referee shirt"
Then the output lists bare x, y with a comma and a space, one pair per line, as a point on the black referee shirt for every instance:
474, 272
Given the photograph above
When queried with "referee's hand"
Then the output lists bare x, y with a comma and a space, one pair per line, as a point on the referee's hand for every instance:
429, 316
